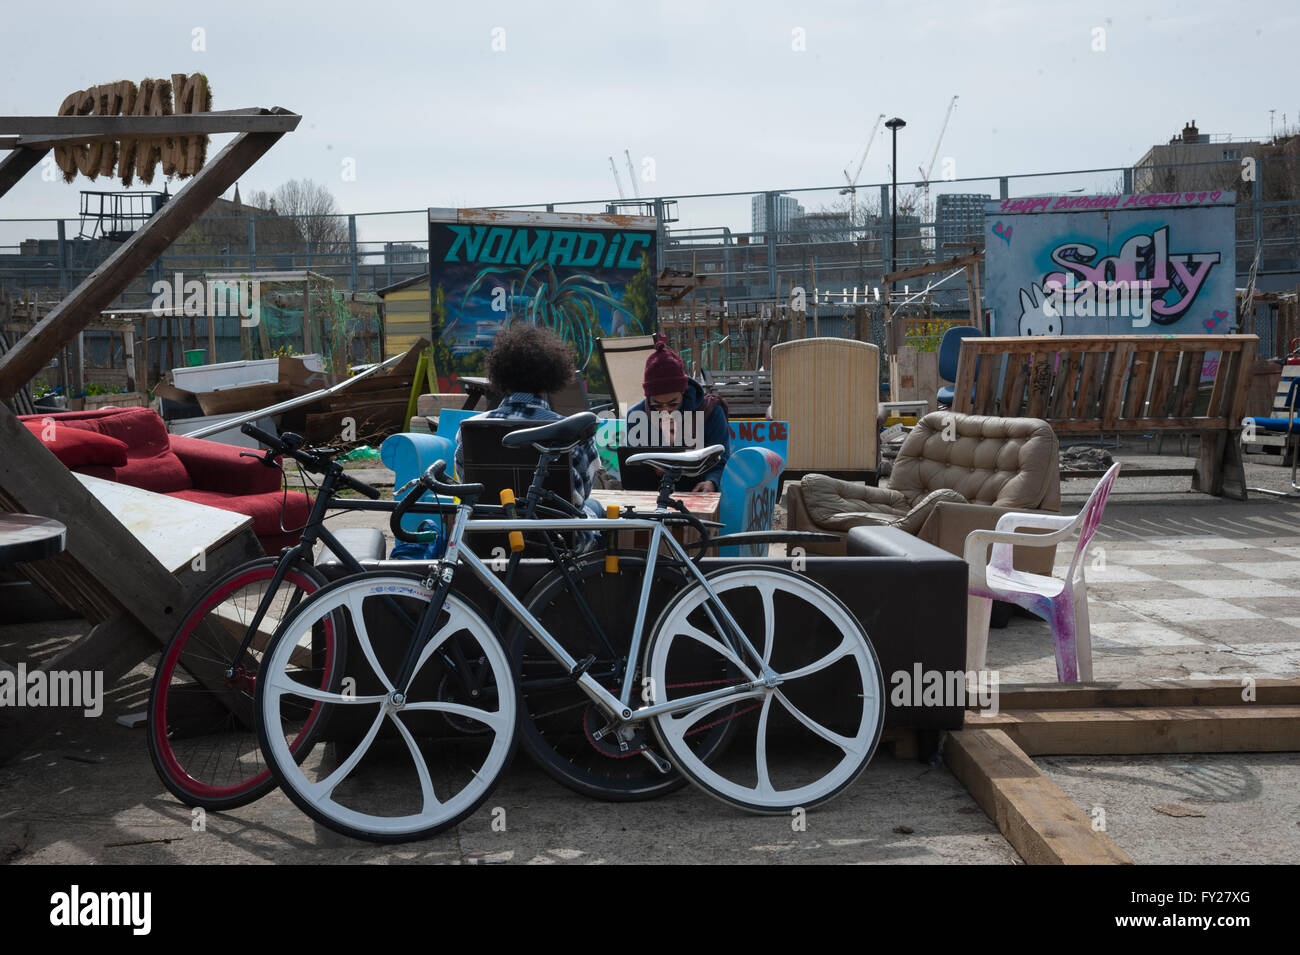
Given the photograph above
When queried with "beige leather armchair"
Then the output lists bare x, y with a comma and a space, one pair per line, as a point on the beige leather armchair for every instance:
954, 474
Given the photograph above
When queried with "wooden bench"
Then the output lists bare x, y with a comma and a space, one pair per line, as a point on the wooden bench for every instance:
1141, 384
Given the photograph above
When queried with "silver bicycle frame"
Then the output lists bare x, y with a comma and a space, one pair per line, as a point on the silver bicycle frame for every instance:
614, 707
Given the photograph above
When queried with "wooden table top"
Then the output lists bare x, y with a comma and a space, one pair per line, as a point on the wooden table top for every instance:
701, 505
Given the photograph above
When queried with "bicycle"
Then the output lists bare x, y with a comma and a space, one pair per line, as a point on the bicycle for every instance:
199, 723
826, 685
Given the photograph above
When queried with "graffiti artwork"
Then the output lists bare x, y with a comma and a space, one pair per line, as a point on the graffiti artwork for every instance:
584, 276
1111, 265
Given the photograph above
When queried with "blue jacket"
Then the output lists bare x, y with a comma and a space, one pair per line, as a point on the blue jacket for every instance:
716, 429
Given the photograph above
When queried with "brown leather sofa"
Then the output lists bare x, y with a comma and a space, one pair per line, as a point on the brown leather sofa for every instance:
954, 474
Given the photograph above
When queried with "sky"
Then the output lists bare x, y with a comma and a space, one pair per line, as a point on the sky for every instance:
501, 103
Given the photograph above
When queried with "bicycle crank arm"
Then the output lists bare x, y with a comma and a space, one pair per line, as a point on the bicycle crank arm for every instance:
660, 763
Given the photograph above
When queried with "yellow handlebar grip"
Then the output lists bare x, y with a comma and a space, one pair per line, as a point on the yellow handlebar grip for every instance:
516, 541
611, 558
507, 497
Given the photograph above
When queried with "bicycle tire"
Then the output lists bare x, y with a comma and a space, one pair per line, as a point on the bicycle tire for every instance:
200, 737
374, 804
555, 716
803, 665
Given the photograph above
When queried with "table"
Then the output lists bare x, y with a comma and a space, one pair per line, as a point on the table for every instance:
173, 530
27, 537
703, 505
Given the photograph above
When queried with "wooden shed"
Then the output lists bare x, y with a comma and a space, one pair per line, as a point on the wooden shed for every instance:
407, 316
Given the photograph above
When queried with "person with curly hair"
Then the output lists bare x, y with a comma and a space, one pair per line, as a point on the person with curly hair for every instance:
527, 363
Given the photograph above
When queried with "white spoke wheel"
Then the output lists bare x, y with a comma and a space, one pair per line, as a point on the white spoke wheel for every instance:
796, 744
398, 767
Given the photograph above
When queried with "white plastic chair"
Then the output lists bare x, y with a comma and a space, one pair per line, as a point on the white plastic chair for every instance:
1063, 603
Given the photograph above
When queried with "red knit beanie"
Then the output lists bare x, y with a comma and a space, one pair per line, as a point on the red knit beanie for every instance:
664, 371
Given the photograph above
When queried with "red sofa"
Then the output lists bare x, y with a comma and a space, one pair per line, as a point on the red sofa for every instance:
131, 445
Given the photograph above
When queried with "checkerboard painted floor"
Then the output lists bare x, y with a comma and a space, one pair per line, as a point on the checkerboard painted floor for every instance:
1186, 593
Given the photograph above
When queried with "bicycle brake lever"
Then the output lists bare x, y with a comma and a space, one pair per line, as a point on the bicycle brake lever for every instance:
267, 458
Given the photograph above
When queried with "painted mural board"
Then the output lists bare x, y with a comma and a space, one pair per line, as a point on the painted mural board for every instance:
1162, 264
585, 276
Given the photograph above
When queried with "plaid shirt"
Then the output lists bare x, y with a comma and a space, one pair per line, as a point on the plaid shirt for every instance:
584, 460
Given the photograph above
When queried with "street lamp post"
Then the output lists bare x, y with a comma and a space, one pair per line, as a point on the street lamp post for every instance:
894, 126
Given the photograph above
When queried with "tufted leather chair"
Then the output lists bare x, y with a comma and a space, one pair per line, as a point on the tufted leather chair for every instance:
954, 474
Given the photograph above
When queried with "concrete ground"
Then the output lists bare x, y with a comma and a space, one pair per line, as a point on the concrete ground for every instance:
1181, 586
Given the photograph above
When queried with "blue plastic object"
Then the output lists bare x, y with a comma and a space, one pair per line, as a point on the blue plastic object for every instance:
751, 484
950, 349
408, 456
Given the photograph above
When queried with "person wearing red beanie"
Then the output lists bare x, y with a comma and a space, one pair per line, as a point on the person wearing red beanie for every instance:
667, 388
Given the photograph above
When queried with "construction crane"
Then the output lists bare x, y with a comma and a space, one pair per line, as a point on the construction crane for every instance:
631, 175
925, 173
852, 190
618, 182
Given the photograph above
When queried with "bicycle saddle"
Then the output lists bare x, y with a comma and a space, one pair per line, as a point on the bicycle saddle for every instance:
556, 435
691, 463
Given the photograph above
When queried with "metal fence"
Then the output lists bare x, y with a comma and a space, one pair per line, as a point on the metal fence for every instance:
752, 246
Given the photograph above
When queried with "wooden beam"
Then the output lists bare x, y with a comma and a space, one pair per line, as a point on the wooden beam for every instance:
68, 128
1140, 693
1040, 821
930, 268
1187, 729
111, 278
16, 165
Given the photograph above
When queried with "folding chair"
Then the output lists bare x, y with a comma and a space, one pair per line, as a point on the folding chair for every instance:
624, 360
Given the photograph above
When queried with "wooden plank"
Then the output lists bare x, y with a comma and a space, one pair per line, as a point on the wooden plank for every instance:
1013, 386
1219, 390
1166, 367
1245, 365
73, 128
1085, 403
1148, 730
18, 164
153, 519
1040, 821
1192, 378
1040, 384
84, 304
1139, 381
1129, 472
986, 378
1139, 693
1113, 383
965, 384
1064, 382
1209, 463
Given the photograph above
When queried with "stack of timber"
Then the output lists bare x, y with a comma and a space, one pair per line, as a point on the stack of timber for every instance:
369, 411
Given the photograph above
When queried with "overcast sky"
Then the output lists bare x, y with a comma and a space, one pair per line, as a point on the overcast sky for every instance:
720, 96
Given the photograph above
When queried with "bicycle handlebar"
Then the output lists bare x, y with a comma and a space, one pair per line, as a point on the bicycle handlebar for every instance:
430, 480
291, 444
